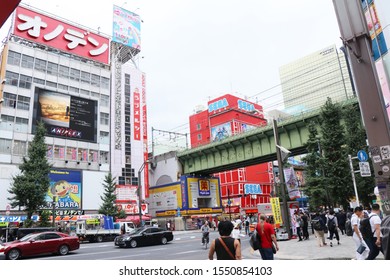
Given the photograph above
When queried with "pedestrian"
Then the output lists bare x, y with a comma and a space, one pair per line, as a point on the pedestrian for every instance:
236, 232
213, 224
298, 222
305, 220
247, 221
374, 242
225, 247
357, 236
269, 244
205, 232
332, 227
341, 219
318, 224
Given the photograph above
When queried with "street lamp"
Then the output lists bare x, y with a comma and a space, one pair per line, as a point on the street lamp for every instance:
139, 191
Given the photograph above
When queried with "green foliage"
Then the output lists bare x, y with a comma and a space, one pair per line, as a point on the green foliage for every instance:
108, 207
356, 140
30, 186
44, 221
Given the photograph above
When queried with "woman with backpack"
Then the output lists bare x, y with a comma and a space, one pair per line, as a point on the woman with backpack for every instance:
332, 225
318, 225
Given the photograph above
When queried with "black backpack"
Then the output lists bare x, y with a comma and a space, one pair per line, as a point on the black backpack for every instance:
348, 228
331, 224
317, 224
365, 228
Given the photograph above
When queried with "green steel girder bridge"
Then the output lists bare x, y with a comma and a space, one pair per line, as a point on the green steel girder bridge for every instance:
252, 147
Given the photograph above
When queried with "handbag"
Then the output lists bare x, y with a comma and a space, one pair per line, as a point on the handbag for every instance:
273, 248
361, 248
255, 241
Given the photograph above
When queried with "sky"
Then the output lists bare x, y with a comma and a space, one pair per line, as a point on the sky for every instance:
196, 50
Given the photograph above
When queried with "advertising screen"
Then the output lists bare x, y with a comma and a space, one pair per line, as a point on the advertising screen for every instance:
66, 116
65, 186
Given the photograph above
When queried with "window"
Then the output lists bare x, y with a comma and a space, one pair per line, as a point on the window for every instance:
85, 77
25, 81
21, 124
39, 81
63, 87
82, 154
95, 94
105, 100
105, 83
59, 152
14, 58
20, 148
49, 153
11, 78
83, 91
199, 136
51, 84
40, 65
52, 68
104, 118
8, 119
23, 103
9, 100
198, 126
71, 153
93, 156
95, 80
63, 71
104, 137
74, 74
5, 146
104, 157
27, 61
73, 89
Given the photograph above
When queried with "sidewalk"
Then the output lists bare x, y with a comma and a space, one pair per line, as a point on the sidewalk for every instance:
309, 250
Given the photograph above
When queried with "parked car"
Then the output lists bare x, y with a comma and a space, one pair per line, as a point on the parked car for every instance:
40, 243
144, 236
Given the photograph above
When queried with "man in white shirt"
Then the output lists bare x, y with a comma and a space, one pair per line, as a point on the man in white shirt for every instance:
375, 241
357, 236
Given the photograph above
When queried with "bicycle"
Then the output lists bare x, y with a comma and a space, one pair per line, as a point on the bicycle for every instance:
205, 239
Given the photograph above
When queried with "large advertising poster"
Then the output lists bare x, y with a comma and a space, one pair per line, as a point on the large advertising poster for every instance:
57, 34
66, 188
291, 182
221, 132
66, 116
126, 28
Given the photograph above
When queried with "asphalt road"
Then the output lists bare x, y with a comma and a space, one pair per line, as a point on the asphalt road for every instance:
184, 246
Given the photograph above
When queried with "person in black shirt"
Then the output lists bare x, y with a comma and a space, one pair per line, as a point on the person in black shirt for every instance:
232, 248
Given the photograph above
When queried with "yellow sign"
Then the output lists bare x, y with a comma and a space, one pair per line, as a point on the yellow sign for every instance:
3, 224
275, 204
92, 221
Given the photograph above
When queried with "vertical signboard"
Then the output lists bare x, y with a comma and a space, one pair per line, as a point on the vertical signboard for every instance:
145, 135
126, 28
276, 212
66, 186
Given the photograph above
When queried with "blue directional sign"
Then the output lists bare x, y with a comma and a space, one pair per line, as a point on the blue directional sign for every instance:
362, 156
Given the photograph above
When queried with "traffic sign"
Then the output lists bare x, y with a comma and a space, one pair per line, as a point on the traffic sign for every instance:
365, 170
8, 209
362, 155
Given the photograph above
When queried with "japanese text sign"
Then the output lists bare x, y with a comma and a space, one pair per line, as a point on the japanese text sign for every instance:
51, 32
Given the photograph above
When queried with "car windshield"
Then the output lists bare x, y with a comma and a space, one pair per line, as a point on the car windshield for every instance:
29, 236
138, 230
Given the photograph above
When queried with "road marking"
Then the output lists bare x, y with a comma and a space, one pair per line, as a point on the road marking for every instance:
186, 252
192, 237
126, 256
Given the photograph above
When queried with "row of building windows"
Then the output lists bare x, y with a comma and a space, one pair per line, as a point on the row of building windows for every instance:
54, 69
19, 148
23, 81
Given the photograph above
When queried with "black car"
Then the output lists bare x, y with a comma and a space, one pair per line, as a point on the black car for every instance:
144, 236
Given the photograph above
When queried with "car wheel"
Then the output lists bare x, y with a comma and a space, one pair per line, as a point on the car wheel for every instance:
13, 254
164, 240
64, 250
133, 243
99, 238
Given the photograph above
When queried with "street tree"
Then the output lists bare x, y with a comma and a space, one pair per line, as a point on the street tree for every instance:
356, 140
334, 154
315, 187
108, 198
29, 188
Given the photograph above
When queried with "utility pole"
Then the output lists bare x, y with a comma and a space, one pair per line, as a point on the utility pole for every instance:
357, 41
285, 212
353, 179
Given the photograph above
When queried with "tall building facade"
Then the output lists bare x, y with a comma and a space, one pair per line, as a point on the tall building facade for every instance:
62, 74
241, 189
309, 81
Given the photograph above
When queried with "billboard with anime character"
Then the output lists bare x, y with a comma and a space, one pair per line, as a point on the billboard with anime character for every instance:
65, 187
